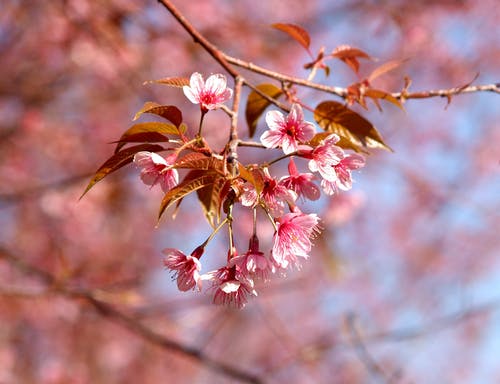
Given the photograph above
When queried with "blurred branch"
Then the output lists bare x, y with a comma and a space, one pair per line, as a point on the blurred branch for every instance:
363, 354
16, 196
118, 317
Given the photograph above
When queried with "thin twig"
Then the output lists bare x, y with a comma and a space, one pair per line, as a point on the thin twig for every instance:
363, 354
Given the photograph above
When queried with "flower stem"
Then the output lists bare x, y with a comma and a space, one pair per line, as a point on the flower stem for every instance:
203, 113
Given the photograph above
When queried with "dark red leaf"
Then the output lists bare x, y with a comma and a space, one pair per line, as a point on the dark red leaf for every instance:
118, 160
299, 34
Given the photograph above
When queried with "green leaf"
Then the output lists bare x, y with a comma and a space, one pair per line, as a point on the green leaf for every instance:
119, 160
335, 117
156, 127
169, 112
187, 186
256, 104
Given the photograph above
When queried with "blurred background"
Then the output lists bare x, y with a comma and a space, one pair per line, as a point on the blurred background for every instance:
402, 286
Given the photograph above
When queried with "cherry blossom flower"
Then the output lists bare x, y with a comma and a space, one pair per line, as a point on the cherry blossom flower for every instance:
155, 169
232, 287
273, 195
300, 183
343, 179
325, 156
293, 238
186, 268
287, 132
210, 94
254, 263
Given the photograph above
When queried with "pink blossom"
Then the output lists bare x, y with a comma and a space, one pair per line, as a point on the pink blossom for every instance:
287, 132
273, 195
231, 286
210, 94
253, 263
325, 156
300, 183
186, 268
155, 169
293, 237
343, 177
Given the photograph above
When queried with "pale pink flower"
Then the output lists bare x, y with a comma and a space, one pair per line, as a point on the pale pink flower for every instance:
273, 195
301, 183
232, 287
343, 176
325, 156
155, 169
186, 268
292, 238
210, 94
287, 132
253, 263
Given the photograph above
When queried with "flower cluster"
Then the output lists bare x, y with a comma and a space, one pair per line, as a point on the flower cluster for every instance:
329, 170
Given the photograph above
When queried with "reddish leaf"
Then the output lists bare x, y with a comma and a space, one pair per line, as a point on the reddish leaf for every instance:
379, 94
299, 34
384, 68
256, 104
195, 160
359, 132
150, 127
171, 81
350, 55
169, 112
211, 198
343, 142
119, 160
188, 185
245, 174
143, 137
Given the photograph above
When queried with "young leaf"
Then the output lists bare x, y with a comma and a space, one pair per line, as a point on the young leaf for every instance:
143, 137
169, 112
198, 161
187, 186
178, 82
119, 160
350, 55
334, 117
379, 94
299, 34
150, 127
384, 68
211, 198
256, 104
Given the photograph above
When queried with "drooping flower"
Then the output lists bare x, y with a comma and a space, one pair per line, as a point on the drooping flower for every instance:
210, 94
155, 169
273, 195
293, 236
301, 183
343, 176
232, 287
325, 156
186, 268
287, 132
254, 263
